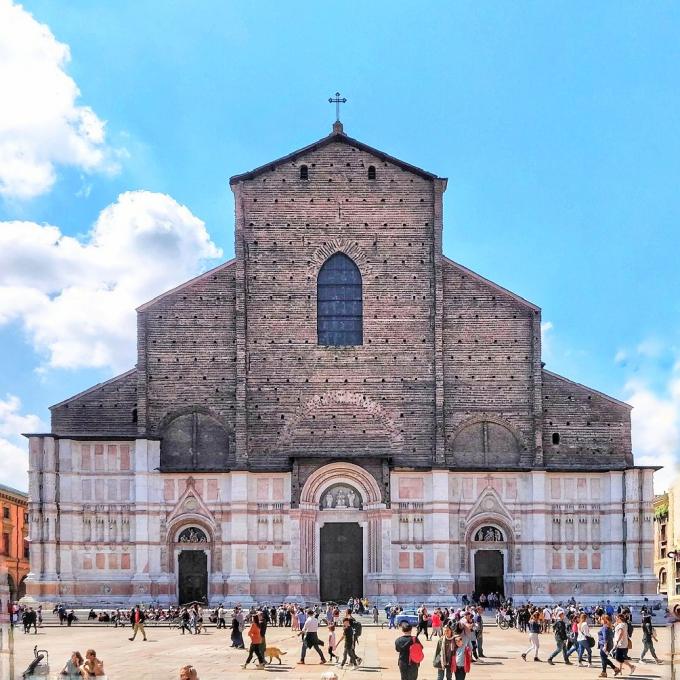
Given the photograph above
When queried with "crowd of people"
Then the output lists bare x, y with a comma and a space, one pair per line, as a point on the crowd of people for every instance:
579, 632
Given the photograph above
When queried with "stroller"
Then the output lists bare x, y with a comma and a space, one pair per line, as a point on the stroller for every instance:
39, 667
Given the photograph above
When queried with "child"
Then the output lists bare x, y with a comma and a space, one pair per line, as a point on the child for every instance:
331, 643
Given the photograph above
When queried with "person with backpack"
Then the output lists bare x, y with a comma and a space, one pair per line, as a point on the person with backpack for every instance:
349, 637
410, 651
648, 638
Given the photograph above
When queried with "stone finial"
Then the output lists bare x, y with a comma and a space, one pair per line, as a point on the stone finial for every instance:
337, 128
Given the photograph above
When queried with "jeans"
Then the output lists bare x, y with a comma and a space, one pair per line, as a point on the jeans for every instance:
606, 661
442, 671
584, 647
460, 674
561, 648
480, 640
648, 646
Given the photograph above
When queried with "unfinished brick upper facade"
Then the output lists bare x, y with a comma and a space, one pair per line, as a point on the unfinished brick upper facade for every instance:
237, 419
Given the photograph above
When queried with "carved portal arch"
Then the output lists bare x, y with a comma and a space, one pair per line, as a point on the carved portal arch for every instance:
342, 474
499, 525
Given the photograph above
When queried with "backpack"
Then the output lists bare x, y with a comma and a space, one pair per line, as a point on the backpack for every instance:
415, 651
356, 626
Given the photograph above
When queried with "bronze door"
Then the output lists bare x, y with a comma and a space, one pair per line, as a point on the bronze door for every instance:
193, 576
342, 573
489, 572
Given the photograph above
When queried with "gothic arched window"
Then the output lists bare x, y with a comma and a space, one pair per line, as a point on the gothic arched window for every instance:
339, 315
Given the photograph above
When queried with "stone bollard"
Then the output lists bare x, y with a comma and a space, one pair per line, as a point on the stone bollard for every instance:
329, 675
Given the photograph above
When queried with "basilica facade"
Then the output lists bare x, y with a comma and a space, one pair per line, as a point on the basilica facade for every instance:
339, 410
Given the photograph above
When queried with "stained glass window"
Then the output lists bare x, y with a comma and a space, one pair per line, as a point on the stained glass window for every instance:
339, 316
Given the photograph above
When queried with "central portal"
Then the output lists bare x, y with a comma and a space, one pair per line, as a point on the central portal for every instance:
193, 576
341, 563
489, 572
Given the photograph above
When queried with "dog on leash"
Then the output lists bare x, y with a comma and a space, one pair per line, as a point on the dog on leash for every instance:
274, 653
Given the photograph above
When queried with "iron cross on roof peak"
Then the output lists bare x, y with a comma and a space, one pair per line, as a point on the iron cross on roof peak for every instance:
337, 100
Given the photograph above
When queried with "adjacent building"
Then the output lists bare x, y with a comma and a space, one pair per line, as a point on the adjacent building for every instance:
14, 550
342, 409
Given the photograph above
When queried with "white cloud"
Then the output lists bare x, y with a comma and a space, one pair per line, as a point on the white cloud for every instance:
13, 449
76, 299
41, 126
621, 357
656, 426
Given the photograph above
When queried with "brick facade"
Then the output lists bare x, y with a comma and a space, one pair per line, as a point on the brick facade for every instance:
447, 381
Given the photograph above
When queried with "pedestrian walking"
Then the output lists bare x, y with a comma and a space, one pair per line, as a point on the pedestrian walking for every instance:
237, 629
478, 628
561, 639
445, 655
408, 666
137, 619
605, 644
648, 638
255, 641
622, 643
349, 637
583, 639
310, 637
332, 643
534, 629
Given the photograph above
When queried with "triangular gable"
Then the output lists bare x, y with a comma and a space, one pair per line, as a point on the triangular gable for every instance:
191, 503
334, 137
489, 503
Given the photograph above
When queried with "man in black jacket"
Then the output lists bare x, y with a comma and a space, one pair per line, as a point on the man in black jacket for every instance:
137, 619
408, 670
561, 637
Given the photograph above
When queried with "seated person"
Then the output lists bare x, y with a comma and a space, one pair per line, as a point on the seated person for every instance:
72, 668
188, 673
92, 667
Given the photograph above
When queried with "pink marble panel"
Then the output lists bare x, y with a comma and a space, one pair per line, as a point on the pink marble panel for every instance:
98, 457
511, 489
212, 489
125, 561
262, 489
87, 563
277, 493
124, 457
169, 489
467, 488
596, 560
113, 561
262, 560
569, 560
410, 488
582, 561
555, 488
100, 560
595, 488
277, 559
556, 560
418, 560
85, 457
404, 560
112, 456
581, 488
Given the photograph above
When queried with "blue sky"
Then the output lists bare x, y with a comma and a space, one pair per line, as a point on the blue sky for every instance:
556, 124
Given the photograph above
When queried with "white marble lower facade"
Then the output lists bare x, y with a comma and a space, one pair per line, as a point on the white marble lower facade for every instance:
106, 527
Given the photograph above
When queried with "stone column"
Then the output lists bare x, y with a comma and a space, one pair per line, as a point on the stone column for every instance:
437, 535
539, 572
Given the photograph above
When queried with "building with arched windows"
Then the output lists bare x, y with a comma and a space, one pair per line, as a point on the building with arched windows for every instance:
339, 410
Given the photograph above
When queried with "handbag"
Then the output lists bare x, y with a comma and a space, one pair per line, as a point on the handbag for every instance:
630, 644
591, 641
